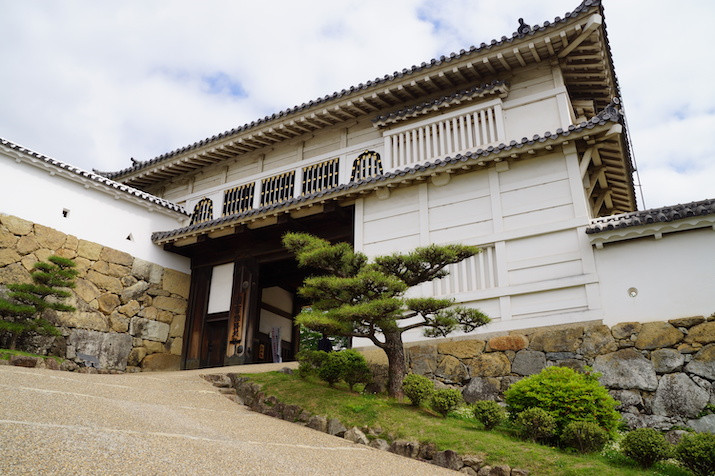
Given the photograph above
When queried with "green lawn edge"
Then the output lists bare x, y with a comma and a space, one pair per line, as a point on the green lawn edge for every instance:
5, 354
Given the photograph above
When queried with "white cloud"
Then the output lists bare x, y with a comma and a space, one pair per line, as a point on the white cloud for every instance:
94, 83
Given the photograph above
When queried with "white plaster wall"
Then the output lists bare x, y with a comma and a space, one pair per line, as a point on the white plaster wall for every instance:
674, 276
31, 193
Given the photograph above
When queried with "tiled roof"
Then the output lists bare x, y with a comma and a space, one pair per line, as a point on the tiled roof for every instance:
653, 215
495, 87
524, 31
610, 114
94, 177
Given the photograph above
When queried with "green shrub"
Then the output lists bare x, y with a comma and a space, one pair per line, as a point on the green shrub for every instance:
489, 413
355, 368
585, 436
566, 395
445, 400
417, 388
331, 370
697, 453
309, 362
646, 446
536, 424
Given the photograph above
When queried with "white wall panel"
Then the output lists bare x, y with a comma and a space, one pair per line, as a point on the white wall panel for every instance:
221, 287
548, 302
537, 197
533, 118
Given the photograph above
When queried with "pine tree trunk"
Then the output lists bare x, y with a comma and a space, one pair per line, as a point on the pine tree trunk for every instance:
13, 341
396, 363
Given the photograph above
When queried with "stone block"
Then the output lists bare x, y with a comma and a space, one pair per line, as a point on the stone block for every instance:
86, 290
134, 291
110, 269
117, 257
7, 239
318, 422
489, 365
687, 322
102, 281
356, 436
16, 226
678, 395
176, 282
118, 322
25, 361
597, 340
112, 349
336, 428
141, 269
627, 398
155, 274
625, 330
462, 349
511, 342
136, 355
450, 368
448, 459
702, 333
409, 449
83, 320
703, 363
176, 328
165, 316
626, 369
176, 345
422, 359
43, 254
107, 302
15, 273
379, 444
149, 330
153, 347
655, 335
87, 249
71, 243
155, 362
8, 256
705, 424
557, 340
129, 309
666, 360
49, 238
481, 388
175, 305
27, 244
528, 362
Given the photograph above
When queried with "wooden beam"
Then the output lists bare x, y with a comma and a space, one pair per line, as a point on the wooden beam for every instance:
520, 58
594, 21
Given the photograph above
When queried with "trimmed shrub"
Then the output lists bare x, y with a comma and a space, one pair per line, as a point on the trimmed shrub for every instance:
489, 413
309, 362
445, 400
355, 368
566, 395
331, 370
585, 436
697, 453
646, 446
536, 424
417, 388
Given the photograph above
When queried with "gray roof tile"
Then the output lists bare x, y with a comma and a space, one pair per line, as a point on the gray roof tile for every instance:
653, 215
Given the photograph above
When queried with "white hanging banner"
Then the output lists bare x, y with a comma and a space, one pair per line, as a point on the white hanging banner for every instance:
276, 344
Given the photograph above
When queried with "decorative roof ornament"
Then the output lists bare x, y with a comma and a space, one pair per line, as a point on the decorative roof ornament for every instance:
523, 28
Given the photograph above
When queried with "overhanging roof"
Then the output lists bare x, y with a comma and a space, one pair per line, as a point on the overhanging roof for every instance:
578, 41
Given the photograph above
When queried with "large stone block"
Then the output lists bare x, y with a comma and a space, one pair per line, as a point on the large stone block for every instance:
108, 283
27, 244
702, 333
177, 327
149, 330
134, 291
687, 321
107, 303
136, 355
656, 335
176, 345
118, 322
176, 282
666, 360
511, 342
703, 363
422, 358
461, 349
626, 369
86, 290
625, 330
87, 249
16, 225
117, 257
112, 349
175, 305
7, 239
528, 362
49, 238
155, 362
678, 395
705, 424
598, 340
557, 340
15, 273
481, 388
111, 269
489, 365
130, 309
451, 369
83, 320
8, 256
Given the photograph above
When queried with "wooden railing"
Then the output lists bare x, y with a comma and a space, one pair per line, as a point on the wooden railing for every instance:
472, 274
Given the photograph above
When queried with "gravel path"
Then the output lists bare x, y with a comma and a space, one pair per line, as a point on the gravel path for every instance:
55, 422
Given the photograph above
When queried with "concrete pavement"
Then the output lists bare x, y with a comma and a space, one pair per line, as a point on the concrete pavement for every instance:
54, 422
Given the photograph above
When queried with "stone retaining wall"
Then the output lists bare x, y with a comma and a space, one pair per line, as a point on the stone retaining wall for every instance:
661, 372
130, 312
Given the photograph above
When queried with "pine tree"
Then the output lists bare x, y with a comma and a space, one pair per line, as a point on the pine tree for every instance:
358, 298
22, 310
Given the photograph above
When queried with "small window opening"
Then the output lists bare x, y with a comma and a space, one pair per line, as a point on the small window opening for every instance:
65, 213
130, 237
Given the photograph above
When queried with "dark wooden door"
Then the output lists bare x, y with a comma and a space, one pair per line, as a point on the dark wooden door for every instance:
215, 342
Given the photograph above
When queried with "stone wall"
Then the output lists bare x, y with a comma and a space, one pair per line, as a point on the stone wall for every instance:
661, 372
130, 313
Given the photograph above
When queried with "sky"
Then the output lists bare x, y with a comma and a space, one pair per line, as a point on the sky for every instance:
95, 82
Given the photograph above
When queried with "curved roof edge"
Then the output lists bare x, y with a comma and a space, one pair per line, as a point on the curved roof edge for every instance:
82, 174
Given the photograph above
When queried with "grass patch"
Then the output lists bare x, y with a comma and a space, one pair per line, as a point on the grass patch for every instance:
459, 433
5, 354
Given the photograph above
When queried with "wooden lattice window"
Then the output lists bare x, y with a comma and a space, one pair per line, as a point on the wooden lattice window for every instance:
367, 164
320, 176
278, 188
203, 211
238, 199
